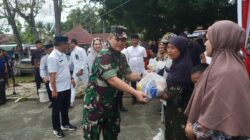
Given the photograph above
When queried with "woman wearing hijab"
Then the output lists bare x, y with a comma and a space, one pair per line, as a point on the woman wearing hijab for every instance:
219, 106
96, 47
179, 88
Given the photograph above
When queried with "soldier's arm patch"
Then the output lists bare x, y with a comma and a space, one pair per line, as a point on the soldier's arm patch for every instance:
105, 65
105, 59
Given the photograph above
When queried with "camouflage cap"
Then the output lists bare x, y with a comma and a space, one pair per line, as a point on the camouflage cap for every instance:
120, 31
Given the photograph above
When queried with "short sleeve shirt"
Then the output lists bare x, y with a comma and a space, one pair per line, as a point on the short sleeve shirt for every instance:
99, 94
59, 64
136, 57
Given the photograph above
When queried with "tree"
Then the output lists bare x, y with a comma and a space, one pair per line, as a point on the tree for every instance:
57, 11
87, 16
10, 14
155, 17
28, 9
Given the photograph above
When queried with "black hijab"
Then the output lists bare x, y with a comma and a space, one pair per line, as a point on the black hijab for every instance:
180, 70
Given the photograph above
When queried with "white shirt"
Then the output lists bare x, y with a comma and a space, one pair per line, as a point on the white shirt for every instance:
59, 64
79, 58
44, 67
124, 51
136, 57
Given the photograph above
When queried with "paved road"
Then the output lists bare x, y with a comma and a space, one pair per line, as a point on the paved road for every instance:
31, 120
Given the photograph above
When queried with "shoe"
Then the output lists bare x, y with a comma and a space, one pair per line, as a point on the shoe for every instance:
123, 109
58, 133
69, 127
50, 106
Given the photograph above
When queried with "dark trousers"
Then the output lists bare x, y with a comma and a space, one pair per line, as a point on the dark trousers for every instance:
133, 84
48, 91
60, 105
2, 92
38, 79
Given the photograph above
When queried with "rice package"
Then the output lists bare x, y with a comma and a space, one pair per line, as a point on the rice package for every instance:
152, 84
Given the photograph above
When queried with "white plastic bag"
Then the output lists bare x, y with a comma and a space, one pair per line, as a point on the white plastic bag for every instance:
160, 135
152, 84
160, 65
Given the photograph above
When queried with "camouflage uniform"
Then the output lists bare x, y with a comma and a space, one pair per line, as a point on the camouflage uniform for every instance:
100, 107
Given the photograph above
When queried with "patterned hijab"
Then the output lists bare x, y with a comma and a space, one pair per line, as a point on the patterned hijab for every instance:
221, 98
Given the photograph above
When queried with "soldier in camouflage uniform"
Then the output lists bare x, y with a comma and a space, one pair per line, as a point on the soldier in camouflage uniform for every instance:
100, 107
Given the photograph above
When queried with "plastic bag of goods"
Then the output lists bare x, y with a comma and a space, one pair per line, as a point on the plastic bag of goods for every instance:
152, 84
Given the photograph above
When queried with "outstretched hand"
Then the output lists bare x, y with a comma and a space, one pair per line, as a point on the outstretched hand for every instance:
141, 97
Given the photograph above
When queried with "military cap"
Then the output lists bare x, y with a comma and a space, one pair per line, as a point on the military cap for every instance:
120, 31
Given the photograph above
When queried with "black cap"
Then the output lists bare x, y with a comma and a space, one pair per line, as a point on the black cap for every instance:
120, 32
61, 39
47, 46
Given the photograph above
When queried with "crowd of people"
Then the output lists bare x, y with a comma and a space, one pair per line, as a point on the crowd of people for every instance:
206, 99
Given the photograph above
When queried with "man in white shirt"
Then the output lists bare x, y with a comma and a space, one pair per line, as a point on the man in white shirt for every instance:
136, 55
60, 82
79, 58
44, 74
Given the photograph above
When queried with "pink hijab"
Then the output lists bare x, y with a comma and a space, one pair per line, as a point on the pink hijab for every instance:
221, 98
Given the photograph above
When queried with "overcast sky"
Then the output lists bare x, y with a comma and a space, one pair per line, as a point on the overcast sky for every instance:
46, 14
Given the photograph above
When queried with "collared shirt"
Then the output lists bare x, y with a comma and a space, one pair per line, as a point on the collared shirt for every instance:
59, 64
136, 57
100, 96
79, 58
44, 73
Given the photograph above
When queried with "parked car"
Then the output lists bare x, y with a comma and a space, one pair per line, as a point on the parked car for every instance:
23, 62
24, 67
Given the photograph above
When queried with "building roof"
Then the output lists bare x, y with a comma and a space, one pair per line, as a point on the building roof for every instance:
81, 35
103, 36
6, 39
